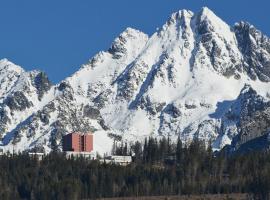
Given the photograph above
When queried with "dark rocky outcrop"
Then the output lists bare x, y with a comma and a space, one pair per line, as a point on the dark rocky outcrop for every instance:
42, 84
18, 101
255, 48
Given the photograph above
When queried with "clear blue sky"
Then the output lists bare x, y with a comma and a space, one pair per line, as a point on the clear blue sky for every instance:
57, 36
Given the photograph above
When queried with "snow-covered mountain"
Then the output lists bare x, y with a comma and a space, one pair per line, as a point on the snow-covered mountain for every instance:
196, 77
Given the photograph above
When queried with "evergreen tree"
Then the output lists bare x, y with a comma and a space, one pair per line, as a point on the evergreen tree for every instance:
179, 152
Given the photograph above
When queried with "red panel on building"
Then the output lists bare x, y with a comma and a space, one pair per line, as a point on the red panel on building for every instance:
78, 142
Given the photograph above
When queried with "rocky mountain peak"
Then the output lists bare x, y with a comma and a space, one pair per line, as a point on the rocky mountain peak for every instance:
7, 65
181, 15
9, 75
207, 21
205, 12
124, 42
255, 48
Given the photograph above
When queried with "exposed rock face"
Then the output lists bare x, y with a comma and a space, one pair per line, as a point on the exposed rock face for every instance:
17, 101
252, 116
91, 112
255, 48
42, 84
196, 77
219, 42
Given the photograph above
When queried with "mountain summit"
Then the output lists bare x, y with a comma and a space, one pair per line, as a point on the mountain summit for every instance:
196, 77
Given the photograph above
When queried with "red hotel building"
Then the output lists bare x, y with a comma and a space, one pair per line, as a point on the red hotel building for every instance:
78, 142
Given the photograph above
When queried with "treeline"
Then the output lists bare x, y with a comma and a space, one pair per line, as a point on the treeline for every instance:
159, 168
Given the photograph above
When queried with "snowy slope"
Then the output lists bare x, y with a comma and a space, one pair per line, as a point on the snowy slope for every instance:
9, 75
185, 80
